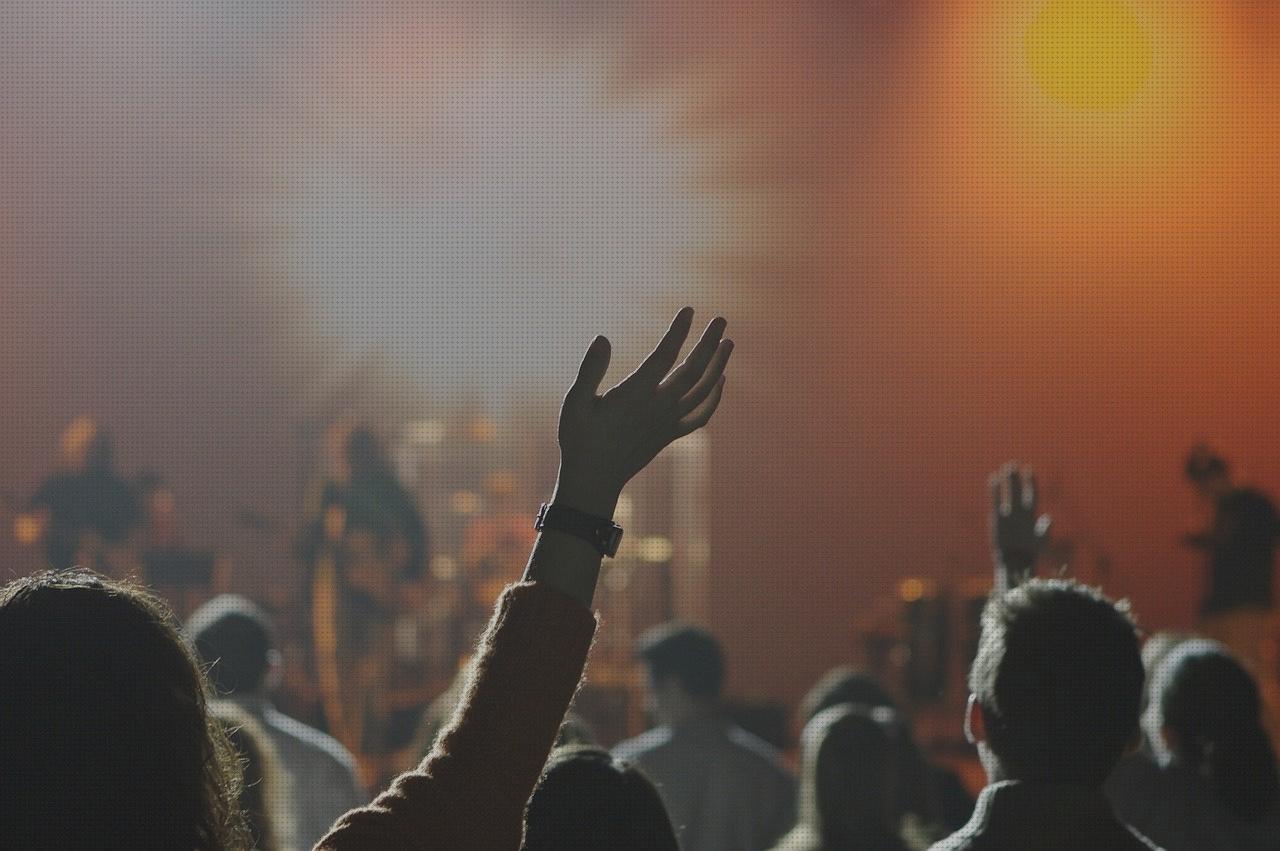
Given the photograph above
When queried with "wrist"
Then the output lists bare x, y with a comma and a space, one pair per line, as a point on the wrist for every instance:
594, 498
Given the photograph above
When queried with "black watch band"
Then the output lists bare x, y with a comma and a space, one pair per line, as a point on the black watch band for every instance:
604, 535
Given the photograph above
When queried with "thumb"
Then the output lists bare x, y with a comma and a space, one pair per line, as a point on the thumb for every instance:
595, 363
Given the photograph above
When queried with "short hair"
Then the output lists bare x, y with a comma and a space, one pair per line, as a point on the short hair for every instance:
585, 799
689, 655
1059, 679
107, 738
233, 637
845, 685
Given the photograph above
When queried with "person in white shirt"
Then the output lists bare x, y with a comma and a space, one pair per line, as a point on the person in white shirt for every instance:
723, 787
234, 638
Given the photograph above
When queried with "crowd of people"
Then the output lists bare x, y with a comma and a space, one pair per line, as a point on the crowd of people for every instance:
122, 730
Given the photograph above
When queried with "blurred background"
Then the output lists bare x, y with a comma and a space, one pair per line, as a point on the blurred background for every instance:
947, 233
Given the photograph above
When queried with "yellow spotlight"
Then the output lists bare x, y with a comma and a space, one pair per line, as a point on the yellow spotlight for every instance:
1089, 54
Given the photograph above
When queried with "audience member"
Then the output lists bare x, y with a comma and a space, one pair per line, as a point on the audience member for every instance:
266, 793
723, 787
235, 639
1211, 783
106, 741
588, 802
471, 792
850, 786
85, 513
1056, 694
932, 796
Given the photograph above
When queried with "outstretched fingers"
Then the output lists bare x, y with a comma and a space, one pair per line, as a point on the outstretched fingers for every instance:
664, 355
701, 415
712, 372
679, 383
595, 363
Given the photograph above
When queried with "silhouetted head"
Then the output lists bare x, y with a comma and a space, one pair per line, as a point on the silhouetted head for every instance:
850, 779
686, 670
1210, 720
1057, 683
364, 453
1208, 471
588, 802
235, 640
845, 685
106, 740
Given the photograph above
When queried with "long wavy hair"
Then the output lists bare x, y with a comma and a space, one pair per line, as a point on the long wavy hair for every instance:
107, 741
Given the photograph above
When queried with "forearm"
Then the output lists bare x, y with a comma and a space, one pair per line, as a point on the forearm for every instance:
471, 791
1012, 569
565, 562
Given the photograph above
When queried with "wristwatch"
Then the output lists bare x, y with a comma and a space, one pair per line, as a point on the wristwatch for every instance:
604, 535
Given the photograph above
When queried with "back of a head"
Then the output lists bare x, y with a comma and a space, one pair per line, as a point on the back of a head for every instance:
849, 785
686, 655
1211, 705
588, 802
1059, 678
233, 637
845, 685
106, 736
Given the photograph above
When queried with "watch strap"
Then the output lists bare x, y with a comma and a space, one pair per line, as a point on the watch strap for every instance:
601, 533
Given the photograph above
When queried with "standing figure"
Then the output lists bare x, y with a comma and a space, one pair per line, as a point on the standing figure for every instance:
85, 514
723, 787
1240, 543
1240, 549
365, 541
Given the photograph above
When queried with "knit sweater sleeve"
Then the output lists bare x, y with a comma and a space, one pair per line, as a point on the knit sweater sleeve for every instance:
471, 791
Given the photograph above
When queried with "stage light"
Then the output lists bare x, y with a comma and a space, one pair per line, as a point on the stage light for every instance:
1089, 54
466, 503
655, 549
426, 432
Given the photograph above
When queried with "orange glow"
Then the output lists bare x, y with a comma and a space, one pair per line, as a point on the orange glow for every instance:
1059, 132
1090, 54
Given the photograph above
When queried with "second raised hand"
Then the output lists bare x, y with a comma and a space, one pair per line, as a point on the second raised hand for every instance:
606, 439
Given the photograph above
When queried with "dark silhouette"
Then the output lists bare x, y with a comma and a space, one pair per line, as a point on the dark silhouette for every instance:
933, 795
1211, 782
723, 787
850, 785
235, 638
86, 511
106, 740
588, 802
1240, 544
1056, 694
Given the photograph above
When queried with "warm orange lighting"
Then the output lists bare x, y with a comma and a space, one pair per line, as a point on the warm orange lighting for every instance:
27, 529
1089, 54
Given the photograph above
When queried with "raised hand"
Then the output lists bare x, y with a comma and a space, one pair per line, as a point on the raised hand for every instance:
606, 439
1019, 533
